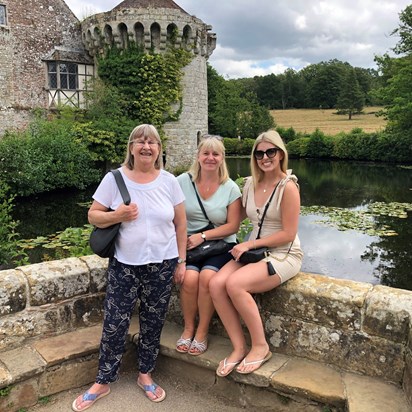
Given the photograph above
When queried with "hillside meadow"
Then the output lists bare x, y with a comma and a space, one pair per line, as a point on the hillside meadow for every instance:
328, 121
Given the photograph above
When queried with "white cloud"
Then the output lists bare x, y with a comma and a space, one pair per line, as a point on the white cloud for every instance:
266, 36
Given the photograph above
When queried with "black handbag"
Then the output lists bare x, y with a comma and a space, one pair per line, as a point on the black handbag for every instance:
102, 241
256, 255
209, 247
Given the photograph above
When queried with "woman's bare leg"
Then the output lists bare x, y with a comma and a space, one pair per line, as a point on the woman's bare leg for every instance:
227, 312
253, 278
188, 301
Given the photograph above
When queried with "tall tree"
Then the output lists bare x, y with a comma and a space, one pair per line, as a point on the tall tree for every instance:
404, 31
351, 98
397, 72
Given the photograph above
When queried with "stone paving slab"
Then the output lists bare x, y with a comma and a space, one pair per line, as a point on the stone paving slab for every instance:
365, 394
22, 363
69, 360
81, 342
311, 380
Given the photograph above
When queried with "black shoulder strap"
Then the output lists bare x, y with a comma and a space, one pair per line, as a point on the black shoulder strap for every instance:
122, 186
198, 199
266, 208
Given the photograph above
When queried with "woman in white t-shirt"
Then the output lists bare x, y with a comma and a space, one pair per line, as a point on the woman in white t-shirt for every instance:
220, 197
150, 254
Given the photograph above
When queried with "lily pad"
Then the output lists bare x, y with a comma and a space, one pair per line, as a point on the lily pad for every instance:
363, 220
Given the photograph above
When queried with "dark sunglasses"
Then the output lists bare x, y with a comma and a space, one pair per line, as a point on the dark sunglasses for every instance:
270, 153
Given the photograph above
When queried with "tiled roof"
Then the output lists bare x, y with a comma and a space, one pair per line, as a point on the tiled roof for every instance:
157, 4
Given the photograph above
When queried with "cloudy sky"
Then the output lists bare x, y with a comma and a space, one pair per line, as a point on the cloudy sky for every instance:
268, 36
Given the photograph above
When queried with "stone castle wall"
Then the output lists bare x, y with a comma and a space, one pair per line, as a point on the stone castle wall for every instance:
34, 28
351, 325
154, 28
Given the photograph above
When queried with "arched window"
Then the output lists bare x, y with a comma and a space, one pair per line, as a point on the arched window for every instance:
139, 34
155, 35
108, 34
187, 38
171, 34
124, 41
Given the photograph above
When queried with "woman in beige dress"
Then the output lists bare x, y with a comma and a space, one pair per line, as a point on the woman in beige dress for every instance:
233, 286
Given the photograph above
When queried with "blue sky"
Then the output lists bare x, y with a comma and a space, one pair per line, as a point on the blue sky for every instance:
269, 36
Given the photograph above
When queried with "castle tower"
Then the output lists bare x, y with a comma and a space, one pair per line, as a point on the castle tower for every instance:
150, 24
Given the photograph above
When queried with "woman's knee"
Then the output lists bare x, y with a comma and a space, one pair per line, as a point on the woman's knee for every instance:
191, 282
217, 286
205, 277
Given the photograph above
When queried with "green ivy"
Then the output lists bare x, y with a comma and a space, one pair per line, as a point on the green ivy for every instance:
150, 83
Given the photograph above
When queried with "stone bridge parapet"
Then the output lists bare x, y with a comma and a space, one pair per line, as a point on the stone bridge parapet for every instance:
353, 326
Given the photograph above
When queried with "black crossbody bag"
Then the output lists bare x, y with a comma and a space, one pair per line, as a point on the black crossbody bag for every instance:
102, 241
209, 247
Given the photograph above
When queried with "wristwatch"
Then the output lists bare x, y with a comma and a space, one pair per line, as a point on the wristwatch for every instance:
180, 260
203, 236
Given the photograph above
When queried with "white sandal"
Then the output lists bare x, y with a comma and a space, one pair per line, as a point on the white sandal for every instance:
185, 343
199, 347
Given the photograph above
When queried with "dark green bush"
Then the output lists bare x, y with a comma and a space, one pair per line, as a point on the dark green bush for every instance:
10, 251
45, 157
319, 145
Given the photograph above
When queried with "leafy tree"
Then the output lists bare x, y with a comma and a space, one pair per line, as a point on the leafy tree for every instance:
351, 99
404, 31
232, 110
397, 74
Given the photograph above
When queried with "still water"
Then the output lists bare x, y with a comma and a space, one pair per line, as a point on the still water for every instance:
328, 251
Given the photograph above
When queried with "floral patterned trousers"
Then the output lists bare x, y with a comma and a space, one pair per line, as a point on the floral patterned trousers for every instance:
149, 284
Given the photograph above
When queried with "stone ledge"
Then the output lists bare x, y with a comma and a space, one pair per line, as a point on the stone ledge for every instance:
59, 363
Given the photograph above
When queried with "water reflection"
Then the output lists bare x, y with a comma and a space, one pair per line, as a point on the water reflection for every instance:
350, 254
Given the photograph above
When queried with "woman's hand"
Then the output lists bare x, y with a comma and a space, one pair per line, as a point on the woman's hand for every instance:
239, 249
125, 213
179, 275
194, 241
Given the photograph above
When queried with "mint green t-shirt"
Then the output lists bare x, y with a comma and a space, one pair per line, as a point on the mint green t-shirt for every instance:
215, 206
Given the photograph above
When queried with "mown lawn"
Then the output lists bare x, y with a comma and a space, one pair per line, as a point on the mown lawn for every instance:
308, 120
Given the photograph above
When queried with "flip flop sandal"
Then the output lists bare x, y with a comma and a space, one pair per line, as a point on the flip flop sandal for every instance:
152, 388
227, 366
183, 345
197, 348
88, 397
259, 362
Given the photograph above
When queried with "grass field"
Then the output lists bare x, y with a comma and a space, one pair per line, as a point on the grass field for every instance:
308, 120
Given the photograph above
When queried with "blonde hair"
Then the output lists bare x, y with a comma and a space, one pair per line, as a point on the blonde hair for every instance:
213, 143
271, 136
145, 131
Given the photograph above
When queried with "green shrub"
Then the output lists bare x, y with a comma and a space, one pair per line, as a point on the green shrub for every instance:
10, 252
319, 145
47, 156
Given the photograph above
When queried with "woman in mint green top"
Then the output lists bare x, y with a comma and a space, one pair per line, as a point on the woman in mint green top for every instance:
220, 197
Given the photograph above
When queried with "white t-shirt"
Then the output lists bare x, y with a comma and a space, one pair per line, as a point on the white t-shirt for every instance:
151, 238
215, 206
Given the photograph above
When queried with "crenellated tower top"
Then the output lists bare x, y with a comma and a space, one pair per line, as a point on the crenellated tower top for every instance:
151, 24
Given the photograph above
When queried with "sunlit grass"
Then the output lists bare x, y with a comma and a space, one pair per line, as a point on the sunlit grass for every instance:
308, 120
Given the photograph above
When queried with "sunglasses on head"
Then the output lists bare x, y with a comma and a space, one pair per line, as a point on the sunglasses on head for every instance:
270, 153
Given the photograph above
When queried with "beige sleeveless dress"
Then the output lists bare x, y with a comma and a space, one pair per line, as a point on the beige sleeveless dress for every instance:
286, 259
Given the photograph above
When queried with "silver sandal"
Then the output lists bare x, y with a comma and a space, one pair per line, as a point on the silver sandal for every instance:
184, 343
199, 347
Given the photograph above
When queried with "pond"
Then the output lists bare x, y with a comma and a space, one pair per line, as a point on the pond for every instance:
357, 254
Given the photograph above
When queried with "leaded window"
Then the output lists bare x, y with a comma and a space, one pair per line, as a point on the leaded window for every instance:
3, 16
62, 75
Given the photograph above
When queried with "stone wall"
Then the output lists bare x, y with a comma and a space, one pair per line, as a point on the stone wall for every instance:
350, 325
34, 28
153, 27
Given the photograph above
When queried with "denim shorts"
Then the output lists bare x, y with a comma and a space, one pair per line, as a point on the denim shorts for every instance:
213, 263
